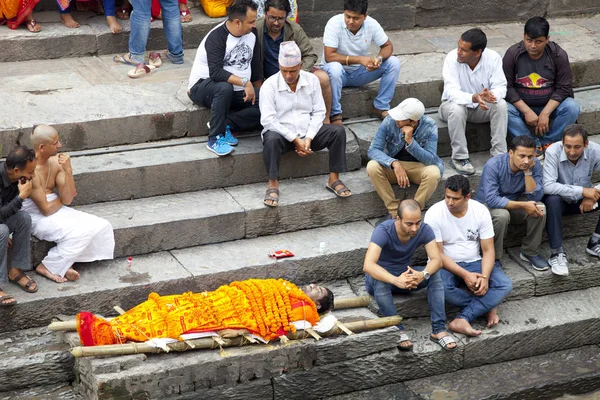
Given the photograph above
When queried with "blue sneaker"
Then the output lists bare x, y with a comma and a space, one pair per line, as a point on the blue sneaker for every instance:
537, 262
229, 138
219, 146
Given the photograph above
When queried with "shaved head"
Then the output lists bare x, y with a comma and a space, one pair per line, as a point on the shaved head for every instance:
42, 134
408, 205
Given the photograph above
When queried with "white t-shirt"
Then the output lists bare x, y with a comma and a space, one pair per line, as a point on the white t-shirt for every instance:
461, 236
338, 36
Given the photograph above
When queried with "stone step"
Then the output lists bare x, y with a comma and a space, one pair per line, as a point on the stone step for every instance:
100, 106
478, 135
62, 391
541, 377
185, 165
31, 358
308, 369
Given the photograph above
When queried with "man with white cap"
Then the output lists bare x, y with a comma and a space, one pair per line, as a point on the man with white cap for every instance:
292, 112
404, 150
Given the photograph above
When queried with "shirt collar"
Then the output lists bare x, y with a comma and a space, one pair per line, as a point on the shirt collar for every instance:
563, 155
266, 33
5, 181
283, 86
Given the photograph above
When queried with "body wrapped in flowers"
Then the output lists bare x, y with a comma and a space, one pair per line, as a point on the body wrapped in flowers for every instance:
266, 307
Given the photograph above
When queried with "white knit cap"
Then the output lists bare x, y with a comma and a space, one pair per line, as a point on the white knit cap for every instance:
410, 108
289, 54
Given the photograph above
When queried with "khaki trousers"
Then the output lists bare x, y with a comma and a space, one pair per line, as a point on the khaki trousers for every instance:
530, 245
427, 177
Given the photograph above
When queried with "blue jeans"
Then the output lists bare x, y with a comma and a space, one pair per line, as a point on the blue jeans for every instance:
556, 207
565, 114
435, 297
339, 78
140, 30
473, 306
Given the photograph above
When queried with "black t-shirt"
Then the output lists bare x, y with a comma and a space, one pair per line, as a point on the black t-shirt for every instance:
404, 155
534, 82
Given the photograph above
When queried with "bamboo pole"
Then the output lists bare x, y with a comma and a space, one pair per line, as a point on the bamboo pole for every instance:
210, 343
340, 304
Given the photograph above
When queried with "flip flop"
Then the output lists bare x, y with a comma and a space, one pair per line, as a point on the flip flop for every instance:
444, 341
154, 59
404, 338
27, 286
31, 25
122, 60
339, 191
140, 70
269, 196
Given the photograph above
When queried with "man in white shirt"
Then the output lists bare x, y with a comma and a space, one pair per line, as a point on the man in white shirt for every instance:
462, 228
474, 91
346, 42
292, 112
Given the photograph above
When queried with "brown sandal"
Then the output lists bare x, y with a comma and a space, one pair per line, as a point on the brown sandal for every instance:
269, 196
27, 286
7, 297
340, 190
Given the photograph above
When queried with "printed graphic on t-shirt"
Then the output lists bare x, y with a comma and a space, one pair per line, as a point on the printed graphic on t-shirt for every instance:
534, 81
239, 57
473, 235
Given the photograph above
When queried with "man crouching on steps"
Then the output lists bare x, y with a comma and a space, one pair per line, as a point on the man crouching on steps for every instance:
79, 237
387, 269
292, 112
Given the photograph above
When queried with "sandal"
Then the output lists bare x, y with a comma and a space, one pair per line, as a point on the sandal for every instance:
186, 16
444, 341
123, 12
33, 26
27, 286
7, 297
336, 119
154, 59
269, 196
340, 190
122, 60
140, 70
404, 338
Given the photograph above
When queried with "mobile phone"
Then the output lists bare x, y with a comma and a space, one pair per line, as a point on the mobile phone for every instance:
23, 180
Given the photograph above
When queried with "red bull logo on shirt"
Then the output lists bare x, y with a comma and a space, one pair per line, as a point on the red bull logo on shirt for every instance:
533, 81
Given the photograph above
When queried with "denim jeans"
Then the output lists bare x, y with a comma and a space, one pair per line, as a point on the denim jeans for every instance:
339, 78
473, 306
556, 207
140, 30
565, 114
382, 292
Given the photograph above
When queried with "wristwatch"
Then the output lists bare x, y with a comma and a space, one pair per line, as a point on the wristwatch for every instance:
528, 173
244, 81
426, 275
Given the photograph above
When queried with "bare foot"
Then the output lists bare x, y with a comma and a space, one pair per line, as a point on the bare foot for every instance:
72, 275
440, 335
184, 11
68, 21
114, 26
42, 270
492, 318
460, 325
32, 24
7, 299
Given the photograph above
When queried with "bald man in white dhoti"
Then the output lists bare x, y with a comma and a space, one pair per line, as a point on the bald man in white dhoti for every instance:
79, 237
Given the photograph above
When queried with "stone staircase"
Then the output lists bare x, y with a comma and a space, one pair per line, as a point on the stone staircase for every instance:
193, 221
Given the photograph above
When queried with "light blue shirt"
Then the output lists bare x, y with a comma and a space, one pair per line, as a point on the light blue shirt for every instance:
566, 179
338, 36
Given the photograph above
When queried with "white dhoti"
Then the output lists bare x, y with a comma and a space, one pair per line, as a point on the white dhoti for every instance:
79, 237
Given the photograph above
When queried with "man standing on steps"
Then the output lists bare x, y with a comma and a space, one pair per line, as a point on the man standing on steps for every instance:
79, 237
346, 42
404, 150
224, 76
387, 270
540, 87
474, 90
463, 230
276, 28
511, 187
568, 169
292, 112
16, 173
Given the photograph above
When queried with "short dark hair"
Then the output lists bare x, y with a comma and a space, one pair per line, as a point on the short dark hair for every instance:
476, 37
522, 141
536, 27
239, 9
281, 5
575, 130
359, 6
19, 157
458, 183
408, 204
326, 302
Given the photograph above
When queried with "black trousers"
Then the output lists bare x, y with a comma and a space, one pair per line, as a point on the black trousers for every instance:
331, 136
227, 107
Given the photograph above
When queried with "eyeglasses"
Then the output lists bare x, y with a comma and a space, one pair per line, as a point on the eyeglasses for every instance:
275, 19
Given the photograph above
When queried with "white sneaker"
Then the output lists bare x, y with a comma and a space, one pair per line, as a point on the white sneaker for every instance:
559, 264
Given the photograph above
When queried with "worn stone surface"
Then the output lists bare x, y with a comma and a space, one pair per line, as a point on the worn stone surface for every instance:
124, 175
62, 391
542, 377
394, 391
102, 285
33, 357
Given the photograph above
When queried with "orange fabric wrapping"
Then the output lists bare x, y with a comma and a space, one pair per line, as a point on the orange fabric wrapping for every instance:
216, 8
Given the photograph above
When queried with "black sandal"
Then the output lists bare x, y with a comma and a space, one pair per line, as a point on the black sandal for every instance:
269, 196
